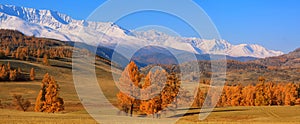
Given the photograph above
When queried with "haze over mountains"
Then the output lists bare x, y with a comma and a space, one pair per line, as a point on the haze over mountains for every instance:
52, 24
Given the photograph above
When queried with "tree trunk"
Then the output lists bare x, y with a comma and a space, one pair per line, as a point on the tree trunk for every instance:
131, 109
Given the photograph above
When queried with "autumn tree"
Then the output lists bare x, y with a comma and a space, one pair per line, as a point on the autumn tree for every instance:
45, 60
199, 98
17, 53
147, 105
248, 95
261, 79
32, 74
279, 94
129, 81
152, 87
13, 75
260, 96
48, 99
4, 73
8, 66
170, 91
291, 94
38, 54
21, 103
236, 96
269, 93
9, 74
19, 70
7, 51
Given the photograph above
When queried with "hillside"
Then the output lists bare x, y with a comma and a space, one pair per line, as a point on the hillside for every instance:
27, 52
284, 68
290, 60
14, 44
23, 53
280, 69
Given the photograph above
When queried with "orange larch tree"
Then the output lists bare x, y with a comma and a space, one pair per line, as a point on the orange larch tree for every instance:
48, 99
130, 81
32, 74
152, 87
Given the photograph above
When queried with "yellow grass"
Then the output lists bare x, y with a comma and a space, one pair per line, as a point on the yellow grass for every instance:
244, 115
75, 113
18, 117
258, 114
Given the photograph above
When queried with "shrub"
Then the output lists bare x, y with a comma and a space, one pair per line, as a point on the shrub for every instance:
20, 103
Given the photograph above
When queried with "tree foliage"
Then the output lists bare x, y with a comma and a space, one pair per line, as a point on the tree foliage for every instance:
129, 81
8, 73
159, 91
261, 94
32, 74
16, 45
48, 99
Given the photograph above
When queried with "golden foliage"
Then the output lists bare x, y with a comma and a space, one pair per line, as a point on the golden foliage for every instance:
129, 80
160, 90
261, 94
32, 74
45, 60
48, 99
7, 73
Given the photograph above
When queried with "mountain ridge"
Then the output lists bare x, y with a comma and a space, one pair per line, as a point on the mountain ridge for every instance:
52, 24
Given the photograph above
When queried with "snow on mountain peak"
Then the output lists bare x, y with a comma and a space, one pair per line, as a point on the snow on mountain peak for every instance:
52, 24
36, 16
252, 50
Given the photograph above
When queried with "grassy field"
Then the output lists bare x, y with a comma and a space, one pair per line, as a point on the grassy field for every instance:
259, 115
18, 117
75, 114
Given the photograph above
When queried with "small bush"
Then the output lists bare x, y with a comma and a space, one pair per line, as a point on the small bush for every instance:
20, 103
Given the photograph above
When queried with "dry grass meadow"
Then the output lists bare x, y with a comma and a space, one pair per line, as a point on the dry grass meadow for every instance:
75, 113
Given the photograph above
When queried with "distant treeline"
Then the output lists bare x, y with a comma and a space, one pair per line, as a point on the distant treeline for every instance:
16, 45
261, 94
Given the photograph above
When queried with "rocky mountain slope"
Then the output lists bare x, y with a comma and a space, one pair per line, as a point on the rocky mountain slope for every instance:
52, 24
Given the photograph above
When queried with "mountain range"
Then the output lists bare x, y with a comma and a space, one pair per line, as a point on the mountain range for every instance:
52, 24
283, 68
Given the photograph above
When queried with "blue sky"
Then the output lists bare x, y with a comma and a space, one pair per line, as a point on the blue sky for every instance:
274, 24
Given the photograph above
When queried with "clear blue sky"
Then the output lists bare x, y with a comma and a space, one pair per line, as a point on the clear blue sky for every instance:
274, 24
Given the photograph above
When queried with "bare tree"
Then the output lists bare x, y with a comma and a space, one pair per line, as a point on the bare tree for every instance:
21, 103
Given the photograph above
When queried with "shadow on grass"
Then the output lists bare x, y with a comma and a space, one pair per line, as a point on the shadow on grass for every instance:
193, 113
66, 67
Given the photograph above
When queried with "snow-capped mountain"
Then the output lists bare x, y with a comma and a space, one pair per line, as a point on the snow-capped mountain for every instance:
52, 24
212, 46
